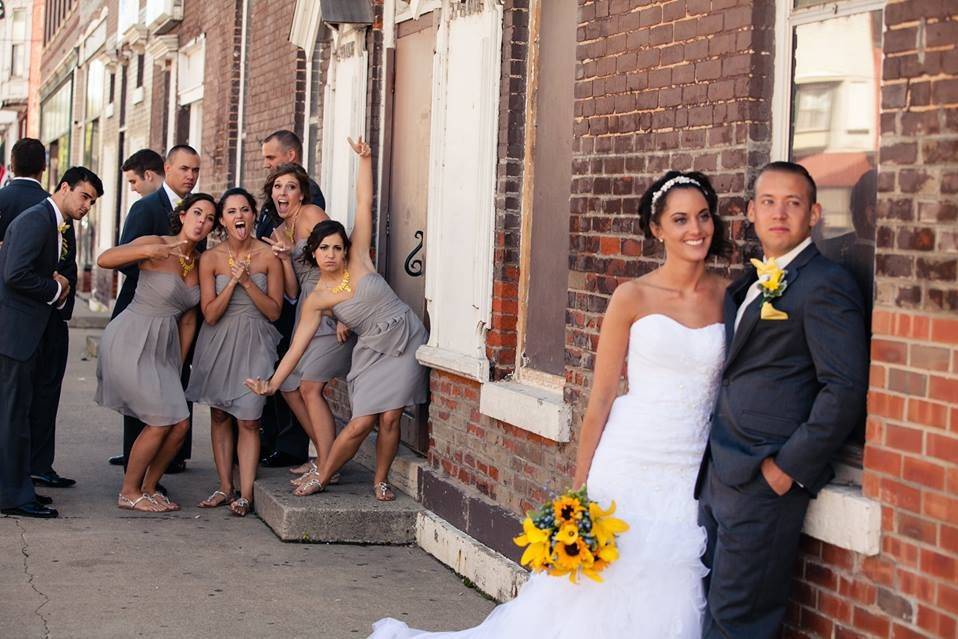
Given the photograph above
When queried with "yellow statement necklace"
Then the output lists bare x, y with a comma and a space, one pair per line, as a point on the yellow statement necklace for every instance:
343, 285
232, 260
186, 265
290, 230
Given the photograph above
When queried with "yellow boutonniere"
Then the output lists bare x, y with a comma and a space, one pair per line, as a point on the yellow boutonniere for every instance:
772, 283
64, 245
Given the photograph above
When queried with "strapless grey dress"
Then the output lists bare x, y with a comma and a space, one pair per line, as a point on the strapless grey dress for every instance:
241, 345
138, 365
385, 373
325, 358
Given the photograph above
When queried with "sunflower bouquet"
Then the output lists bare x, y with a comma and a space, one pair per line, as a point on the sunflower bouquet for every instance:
570, 535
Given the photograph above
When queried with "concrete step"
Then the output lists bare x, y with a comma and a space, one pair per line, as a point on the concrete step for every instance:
89, 320
344, 513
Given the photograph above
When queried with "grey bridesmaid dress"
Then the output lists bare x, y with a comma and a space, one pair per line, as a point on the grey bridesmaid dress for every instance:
138, 364
385, 374
325, 358
241, 344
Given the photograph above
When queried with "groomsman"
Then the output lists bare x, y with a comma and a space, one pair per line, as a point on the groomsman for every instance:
150, 215
28, 159
31, 290
283, 437
144, 171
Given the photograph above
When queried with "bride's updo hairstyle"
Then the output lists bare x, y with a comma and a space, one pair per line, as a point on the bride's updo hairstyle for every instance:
319, 233
655, 199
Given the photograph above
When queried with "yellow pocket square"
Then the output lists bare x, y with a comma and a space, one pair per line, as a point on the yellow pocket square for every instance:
769, 312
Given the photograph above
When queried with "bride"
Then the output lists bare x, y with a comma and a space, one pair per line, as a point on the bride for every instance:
642, 449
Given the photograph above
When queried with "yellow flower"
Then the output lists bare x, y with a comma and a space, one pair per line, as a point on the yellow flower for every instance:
771, 277
604, 526
536, 543
568, 534
570, 557
567, 509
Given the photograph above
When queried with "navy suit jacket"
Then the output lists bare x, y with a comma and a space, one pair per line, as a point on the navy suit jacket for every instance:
150, 215
18, 196
792, 389
28, 259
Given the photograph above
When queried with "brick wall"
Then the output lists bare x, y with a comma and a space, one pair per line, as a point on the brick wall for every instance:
275, 84
909, 589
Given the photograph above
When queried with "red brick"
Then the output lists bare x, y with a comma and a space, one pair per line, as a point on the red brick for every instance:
943, 447
949, 539
944, 331
940, 507
917, 528
882, 461
943, 388
898, 494
835, 607
916, 585
889, 351
869, 622
860, 590
937, 623
931, 358
923, 472
904, 438
927, 413
886, 405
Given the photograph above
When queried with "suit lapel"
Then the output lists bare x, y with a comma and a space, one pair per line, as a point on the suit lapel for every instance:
52, 217
164, 198
734, 295
752, 314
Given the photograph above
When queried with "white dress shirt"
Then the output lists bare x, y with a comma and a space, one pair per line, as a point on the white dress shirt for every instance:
754, 291
59, 216
170, 193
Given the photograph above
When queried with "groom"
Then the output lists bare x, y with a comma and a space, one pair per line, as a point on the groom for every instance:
793, 387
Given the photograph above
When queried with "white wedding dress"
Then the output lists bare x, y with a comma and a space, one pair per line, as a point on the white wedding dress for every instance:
647, 461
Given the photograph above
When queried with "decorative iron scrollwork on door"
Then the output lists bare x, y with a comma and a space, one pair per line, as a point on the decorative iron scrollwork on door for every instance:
413, 264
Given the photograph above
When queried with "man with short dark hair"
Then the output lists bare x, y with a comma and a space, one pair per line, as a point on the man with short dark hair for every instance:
793, 388
150, 215
144, 171
285, 443
31, 289
283, 147
28, 160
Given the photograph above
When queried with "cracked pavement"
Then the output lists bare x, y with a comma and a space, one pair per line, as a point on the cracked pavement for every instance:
101, 572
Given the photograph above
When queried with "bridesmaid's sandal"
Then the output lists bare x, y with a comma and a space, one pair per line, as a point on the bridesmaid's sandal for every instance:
240, 507
310, 487
144, 503
299, 481
217, 498
164, 502
302, 469
384, 492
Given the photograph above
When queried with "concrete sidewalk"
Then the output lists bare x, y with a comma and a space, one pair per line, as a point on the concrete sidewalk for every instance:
102, 572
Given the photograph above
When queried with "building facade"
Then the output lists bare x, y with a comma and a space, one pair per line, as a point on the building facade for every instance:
513, 139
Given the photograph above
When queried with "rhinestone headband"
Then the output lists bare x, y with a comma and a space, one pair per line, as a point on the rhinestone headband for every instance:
678, 179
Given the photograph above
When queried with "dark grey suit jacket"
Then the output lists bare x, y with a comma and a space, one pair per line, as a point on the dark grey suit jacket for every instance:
149, 215
791, 389
18, 196
28, 259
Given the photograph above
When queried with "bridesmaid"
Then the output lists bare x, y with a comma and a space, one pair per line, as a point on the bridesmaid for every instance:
328, 352
143, 348
384, 376
241, 292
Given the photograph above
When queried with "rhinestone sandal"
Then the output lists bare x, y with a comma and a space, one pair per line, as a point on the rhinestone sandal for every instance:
383, 492
164, 502
125, 503
240, 507
214, 501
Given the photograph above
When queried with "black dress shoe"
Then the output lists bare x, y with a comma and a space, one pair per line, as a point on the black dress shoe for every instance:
33, 509
278, 459
116, 460
176, 467
52, 480
43, 499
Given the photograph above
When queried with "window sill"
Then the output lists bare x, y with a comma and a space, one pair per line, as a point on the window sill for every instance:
457, 363
532, 408
108, 110
137, 96
843, 517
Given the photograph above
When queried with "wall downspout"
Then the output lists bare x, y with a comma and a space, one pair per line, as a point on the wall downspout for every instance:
241, 106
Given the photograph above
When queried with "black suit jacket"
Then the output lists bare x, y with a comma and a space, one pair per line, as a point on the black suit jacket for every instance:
267, 221
28, 259
791, 389
22, 194
150, 215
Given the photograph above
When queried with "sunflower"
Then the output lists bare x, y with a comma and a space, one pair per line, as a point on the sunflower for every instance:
570, 557
604, 526
536, 543
567, 509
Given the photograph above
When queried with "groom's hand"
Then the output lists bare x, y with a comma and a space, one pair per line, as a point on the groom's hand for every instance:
779, 481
